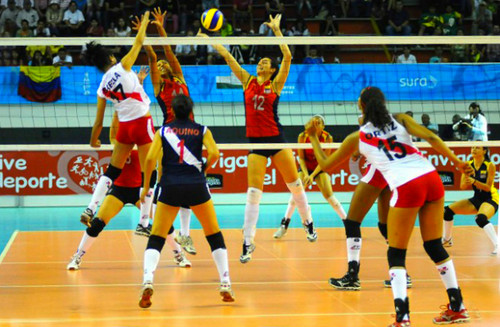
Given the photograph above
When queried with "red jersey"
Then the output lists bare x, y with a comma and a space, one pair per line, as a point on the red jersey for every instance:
311, 162
131, 173
169, 89
261, 109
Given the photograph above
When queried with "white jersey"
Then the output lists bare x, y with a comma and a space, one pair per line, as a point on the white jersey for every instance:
125, 91
392, 152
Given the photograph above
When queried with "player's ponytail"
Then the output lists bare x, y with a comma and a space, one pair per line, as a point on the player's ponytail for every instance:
486, 153
182, 106
374, 109
98, 56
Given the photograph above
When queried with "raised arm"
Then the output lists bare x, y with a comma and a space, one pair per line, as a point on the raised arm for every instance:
129, 59
167, 49
153, 69
280, 79
212, 149
239, 72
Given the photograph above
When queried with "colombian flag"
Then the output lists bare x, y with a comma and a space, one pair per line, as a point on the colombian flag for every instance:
40, 83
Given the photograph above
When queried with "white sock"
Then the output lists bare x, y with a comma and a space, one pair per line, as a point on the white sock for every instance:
337, 207
153, 211
172, 243
353, 248
102, 187
251, 214
447, 274
290, 208
300, 198
146, 208
398, 284
448, 225
151, 259
220, 258
492, 235
185, 215
85, 243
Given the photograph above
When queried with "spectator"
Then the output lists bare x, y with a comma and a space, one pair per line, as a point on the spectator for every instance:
474, 54
114, 9
54, 17
459, 130
300, 6
173, 9
95, 29
73, 20
141, 6
38, 60
10, 13
493, 50
27, 13
398, 23
41, 30
8, 29
15, 59
208, 4
329, 29
94, 10
122, 29
41, 7
438, 56
242, 11
18, 3
452, 20
426, 122
81, 4
299, 29
226, 29
25, 30
62, 59
429, 21
313, 58
483, 19
406, 57
186, 53
43, 49
478, 124
459, 51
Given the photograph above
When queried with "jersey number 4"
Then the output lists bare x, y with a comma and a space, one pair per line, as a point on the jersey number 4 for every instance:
258, 102
390, 144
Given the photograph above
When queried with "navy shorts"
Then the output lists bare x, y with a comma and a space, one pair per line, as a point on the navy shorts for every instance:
271, 139
125, 194
477, 203
186, 195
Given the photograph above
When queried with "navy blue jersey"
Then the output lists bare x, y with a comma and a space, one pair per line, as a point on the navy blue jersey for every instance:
182, 163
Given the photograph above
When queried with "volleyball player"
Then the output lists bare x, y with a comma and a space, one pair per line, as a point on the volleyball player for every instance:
168, 81
310, 171
261, 94
385, 141
484, 203
121, 86
183, 183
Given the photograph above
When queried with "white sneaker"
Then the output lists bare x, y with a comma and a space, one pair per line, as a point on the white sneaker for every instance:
282, 229
75, 262
226, 292
246, 255
146, 294
181, 260
186, 242
495, 250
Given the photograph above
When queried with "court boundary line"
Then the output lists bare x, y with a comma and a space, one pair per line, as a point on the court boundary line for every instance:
8, 245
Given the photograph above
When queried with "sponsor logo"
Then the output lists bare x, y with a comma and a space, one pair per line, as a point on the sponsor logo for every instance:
447, 177
214, 181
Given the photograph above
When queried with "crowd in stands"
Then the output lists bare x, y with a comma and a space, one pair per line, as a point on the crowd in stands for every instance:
97, 18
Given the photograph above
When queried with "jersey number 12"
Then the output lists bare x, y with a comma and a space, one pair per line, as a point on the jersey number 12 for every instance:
258, 102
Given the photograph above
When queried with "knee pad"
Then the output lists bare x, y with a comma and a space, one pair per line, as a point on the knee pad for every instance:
216, 241
155, 242
171, 230
152, 180
112, 172
383, 229
352, 228
254, 195
396, 257
295, 187
96, 227
482, 220
435, 250
448, 214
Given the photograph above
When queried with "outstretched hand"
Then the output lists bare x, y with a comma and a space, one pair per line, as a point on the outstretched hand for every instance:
143, 73
136, 23
465, 168
159, 17
312, 127
274, 23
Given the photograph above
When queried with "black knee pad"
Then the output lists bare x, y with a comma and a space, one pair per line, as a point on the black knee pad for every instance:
396, 257
435, 250
112, 172
482, 220
448, 214
383, 229
156, 242
352, 228
96, 227
216, 241
152, 180
171, 230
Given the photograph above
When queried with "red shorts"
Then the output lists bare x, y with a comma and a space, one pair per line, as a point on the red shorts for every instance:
374, 177
417, 192
138, 131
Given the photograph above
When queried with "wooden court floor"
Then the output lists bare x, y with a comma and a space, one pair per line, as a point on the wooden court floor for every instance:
285, 284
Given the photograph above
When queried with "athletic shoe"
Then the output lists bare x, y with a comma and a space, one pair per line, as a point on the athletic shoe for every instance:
143, 231
447, 243
186, 242
246, 255
146, 294
86, 217
348, 282
409, 283
310, 232
449, 316
181, 260
75, 262
226, 292
495, 250
404, 323
283, 228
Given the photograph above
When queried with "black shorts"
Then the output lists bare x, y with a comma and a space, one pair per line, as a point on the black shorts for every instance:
271, 139
477, 203
125, 194
157, 192
186, 195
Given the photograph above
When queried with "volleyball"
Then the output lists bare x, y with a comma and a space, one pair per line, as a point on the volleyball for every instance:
212, 19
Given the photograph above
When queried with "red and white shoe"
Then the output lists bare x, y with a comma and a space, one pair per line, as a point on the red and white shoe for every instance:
449, 316
404, 323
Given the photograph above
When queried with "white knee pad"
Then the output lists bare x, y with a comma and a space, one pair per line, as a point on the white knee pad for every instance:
254, 195
295, 187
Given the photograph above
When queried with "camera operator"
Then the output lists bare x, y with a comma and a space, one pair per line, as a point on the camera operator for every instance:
477, 125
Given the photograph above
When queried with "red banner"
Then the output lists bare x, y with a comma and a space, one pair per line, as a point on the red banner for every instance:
76, 172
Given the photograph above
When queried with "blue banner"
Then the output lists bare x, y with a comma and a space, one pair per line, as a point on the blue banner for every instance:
327, 82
